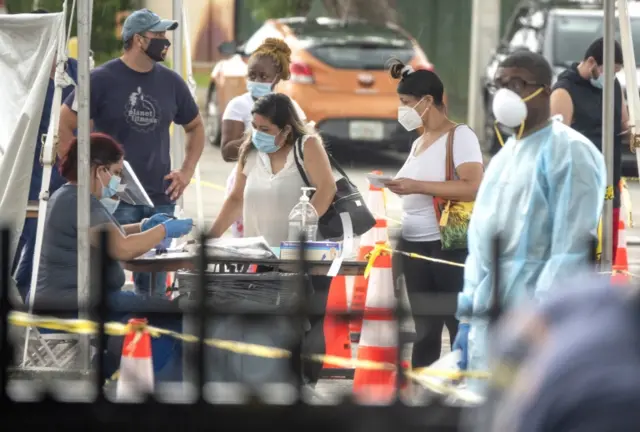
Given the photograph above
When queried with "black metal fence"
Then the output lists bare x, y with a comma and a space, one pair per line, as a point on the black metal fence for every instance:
102, 413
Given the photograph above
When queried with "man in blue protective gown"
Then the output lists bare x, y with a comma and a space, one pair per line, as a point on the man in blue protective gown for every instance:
23, 264
542, 195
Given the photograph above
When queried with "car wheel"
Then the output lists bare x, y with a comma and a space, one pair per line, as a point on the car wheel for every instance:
212, 118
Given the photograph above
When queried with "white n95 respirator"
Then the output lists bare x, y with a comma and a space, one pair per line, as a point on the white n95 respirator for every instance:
508, 108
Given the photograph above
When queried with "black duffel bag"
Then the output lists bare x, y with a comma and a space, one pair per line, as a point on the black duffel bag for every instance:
348, 199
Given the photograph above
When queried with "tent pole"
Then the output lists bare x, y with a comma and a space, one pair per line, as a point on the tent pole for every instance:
191, 82
178, 132
84, 171
47, 158
607, 129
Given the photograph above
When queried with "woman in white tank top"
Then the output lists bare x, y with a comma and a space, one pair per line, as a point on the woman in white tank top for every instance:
422, 178
267, 187
267, 182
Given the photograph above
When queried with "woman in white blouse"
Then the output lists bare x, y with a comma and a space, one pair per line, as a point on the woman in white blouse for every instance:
268, 182
268, 186
422, 178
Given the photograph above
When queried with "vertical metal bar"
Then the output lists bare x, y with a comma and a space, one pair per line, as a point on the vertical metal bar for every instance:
177, 144
485, 33
6, 351
297, 363
84, 172
202, 312
607, 129
101, 308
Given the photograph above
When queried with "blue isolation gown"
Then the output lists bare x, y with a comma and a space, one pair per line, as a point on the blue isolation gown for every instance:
543, 195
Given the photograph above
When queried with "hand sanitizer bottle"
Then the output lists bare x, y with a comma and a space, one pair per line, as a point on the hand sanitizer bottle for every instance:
303, 218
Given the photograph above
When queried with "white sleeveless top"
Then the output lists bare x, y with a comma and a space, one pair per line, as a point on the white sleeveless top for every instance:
269, 198
419, 222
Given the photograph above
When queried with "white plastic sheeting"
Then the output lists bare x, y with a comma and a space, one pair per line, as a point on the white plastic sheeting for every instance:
28, 44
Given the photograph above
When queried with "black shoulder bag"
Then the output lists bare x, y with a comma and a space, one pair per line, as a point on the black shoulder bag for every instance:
347, 200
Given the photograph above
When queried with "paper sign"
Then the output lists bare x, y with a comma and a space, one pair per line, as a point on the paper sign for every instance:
378, 180
347, 245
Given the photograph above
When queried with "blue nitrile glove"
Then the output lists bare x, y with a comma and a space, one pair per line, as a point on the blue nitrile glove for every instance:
462, 343
154, 221
176, 228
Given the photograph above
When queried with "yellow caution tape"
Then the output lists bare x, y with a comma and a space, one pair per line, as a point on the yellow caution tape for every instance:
378, 250
608, 194
87, 327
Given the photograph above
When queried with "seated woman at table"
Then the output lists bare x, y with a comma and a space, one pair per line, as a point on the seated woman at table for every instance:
268, 185
57, 284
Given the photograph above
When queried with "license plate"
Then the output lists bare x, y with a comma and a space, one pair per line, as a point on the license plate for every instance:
366, 130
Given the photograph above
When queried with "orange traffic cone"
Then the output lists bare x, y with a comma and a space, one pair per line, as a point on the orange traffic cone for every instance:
621, 265
379, 233
136, 367
378, 341
336, 329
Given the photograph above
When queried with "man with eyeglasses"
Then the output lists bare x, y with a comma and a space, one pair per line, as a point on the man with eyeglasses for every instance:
577, 96
542, 196
134, 99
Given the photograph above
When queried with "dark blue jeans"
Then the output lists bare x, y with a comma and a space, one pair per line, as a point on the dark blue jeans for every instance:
129, 214
23, 261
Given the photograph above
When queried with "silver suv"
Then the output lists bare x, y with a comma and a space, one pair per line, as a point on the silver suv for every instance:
561, 34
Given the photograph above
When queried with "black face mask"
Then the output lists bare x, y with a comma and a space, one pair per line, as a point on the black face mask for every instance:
156, 47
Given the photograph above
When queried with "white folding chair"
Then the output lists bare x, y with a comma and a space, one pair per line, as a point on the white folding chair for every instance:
48, 350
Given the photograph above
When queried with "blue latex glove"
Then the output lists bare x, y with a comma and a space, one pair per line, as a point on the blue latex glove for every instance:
154, 221
462, 343
176, 228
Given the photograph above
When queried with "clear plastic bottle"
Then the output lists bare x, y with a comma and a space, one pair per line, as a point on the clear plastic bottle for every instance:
303, 218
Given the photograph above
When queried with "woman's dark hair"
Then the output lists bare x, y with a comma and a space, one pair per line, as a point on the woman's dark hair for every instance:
104, 151
280, 111
417, 83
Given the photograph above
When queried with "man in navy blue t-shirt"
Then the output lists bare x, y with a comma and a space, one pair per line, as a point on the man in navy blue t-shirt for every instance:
27, 242
135, 100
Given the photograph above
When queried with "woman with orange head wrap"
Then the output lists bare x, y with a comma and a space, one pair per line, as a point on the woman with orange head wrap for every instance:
268, 65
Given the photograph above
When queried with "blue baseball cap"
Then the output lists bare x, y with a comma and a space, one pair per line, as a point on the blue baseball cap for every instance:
144, 20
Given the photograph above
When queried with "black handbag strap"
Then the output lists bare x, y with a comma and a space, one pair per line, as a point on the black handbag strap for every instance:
298, 157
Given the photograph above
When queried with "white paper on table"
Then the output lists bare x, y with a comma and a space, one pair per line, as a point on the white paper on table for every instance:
347, 245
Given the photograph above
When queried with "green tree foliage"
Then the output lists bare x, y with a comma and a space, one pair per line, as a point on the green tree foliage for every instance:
372, 10
265, 9
104, 42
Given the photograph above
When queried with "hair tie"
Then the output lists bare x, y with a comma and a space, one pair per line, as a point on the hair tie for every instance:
407, 70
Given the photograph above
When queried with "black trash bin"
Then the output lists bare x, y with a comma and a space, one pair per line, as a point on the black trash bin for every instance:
277, 295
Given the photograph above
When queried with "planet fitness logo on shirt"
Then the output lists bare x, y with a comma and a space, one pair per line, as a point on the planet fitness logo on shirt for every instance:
142, 111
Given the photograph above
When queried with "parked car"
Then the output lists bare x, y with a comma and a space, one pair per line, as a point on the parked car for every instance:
561, 34
338, 77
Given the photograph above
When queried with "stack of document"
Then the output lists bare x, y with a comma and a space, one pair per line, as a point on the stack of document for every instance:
247, 247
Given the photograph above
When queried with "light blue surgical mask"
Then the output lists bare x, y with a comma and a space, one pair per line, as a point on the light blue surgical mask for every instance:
110, 204
112, 187
258, 89
598, 82
264, 142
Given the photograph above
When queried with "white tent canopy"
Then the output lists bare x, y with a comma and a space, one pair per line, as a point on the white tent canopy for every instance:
27, 44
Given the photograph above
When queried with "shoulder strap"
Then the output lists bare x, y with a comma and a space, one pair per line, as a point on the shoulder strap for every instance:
450, 167
298, 156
